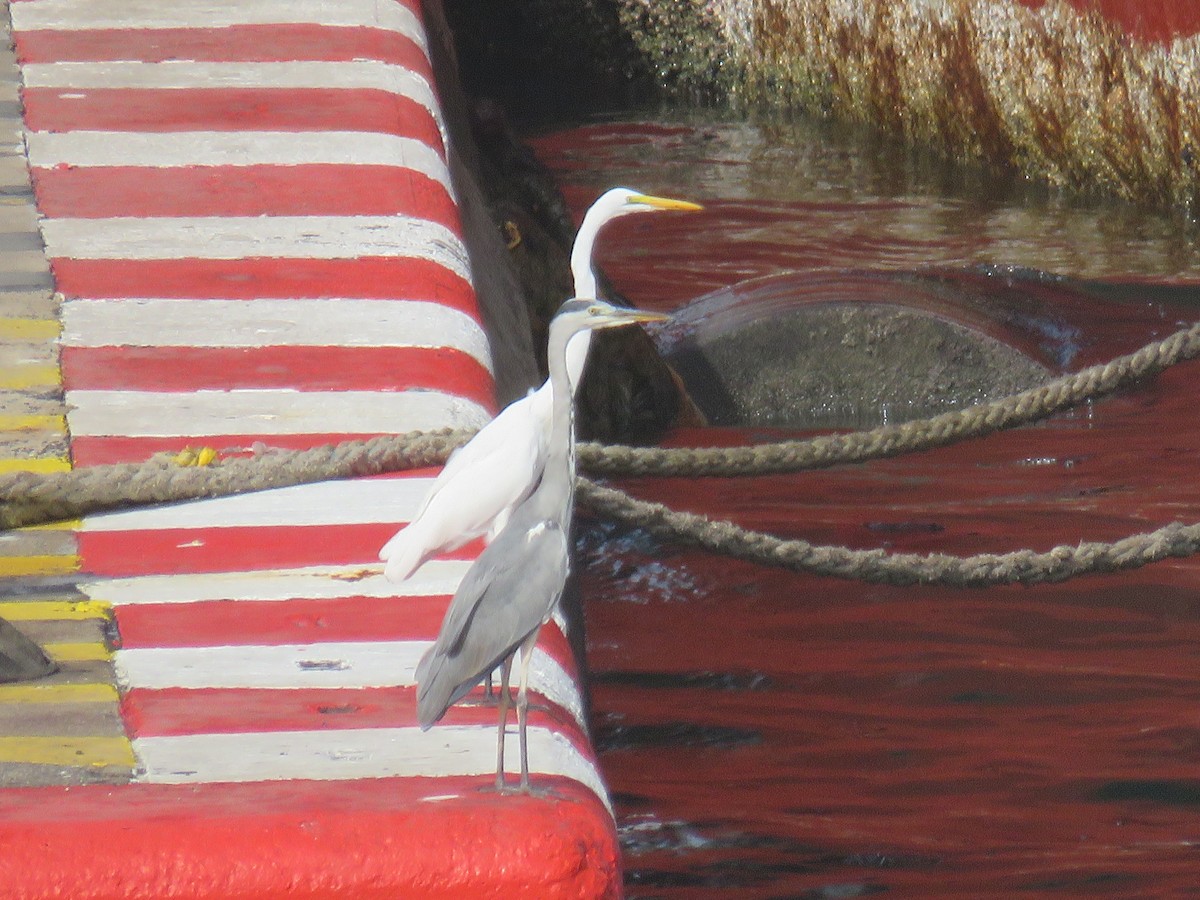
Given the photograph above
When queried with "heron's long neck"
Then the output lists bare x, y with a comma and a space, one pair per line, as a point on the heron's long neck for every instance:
559, 475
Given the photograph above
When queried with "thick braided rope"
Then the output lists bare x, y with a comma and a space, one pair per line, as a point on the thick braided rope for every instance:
892, 440
27, 498
981, 570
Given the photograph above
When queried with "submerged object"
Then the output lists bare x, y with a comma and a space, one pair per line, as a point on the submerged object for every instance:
855, 349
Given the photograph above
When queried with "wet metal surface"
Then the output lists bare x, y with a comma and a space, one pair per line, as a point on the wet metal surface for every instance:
770, 735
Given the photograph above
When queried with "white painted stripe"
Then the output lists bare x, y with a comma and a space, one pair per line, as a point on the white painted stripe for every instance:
266, 412
273, 237
437, 578
443, 751
273, 323
359, 664
83, 15
349, 502
182, 75
235, 148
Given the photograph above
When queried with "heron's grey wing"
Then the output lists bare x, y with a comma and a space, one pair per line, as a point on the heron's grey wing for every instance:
518, 600
504, 602
489, 567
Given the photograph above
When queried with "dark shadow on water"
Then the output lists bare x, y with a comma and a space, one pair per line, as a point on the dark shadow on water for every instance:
713, 681
1169, 792
609, 737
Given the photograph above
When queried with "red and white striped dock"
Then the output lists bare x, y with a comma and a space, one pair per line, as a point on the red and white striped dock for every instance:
250, 216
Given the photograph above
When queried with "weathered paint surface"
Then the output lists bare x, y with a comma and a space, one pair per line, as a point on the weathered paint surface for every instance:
250, 216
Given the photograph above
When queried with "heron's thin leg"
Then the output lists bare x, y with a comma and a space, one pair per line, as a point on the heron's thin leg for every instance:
526, 652
505, 669
489, 691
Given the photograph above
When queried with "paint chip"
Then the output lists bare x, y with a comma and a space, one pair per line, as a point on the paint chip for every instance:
323, 665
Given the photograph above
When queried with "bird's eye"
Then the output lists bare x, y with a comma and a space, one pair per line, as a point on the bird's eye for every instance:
594, 310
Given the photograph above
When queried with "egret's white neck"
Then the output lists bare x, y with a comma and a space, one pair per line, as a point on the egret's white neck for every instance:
582, 276
576, 357
584, 282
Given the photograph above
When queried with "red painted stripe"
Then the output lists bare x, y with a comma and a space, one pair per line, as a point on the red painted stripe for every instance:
100, 450
276, 840
212, 623
382, 278
92, 804
191, 550
303, 368
305, 190
229, 109
239, 43
176, 712
299, 621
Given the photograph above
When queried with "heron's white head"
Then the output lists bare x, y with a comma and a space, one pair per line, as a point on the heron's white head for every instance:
589, 314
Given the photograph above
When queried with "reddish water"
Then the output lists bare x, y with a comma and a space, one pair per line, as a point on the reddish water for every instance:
770, 735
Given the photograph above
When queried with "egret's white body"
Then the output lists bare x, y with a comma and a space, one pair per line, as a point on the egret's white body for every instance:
488, 477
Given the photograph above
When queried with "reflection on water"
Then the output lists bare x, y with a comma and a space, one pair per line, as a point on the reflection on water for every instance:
772, 735
807, 195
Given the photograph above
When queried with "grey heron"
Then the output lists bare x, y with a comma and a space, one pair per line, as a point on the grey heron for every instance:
511, 590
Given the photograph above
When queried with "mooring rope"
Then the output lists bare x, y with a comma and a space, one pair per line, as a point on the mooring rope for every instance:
880, 567
27, 498
891, 440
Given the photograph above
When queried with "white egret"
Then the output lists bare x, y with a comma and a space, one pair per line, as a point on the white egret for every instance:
485, 479
511, 590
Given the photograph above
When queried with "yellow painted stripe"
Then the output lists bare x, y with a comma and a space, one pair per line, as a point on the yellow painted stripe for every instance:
41, 466
16, 329
86, 652
12, 566
64, 525
67, 751
66, 610
57, 423
58, 693
21, 378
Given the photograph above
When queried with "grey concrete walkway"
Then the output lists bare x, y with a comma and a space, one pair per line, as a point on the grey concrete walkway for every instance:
63, 729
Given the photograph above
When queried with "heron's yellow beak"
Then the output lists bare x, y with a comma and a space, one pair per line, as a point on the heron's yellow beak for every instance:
643, 315
664, 202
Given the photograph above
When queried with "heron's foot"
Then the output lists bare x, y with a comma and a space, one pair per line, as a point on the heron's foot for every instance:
530, 790
511, 787
494, 700
484, 700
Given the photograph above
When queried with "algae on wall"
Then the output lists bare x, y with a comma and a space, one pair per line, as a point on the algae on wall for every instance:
1057, 94
1053, 93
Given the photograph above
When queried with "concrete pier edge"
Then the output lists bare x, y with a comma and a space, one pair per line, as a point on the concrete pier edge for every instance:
262, 235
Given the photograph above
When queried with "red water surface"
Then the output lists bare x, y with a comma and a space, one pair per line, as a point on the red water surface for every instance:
773, 735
